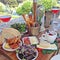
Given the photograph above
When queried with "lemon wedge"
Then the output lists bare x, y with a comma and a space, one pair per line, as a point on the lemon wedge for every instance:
7, 46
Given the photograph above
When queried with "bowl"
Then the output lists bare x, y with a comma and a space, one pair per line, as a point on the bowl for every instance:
5, 18
32, 58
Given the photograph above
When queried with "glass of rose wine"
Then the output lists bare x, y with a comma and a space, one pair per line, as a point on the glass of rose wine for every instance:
55, 10
5, 19
54, 22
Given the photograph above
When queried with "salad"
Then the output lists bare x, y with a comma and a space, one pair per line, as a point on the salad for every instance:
26, 53
19, 27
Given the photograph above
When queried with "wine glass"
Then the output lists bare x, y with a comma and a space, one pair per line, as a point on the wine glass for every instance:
5, 18
55, 10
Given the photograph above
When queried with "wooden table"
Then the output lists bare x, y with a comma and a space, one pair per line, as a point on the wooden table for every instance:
12, 55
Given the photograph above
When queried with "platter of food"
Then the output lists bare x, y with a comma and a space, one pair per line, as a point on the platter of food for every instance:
6, 47
12, 39
27, 53
31, 40
11, 44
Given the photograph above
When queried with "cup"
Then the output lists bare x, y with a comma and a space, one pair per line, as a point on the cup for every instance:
50, 37
35, 30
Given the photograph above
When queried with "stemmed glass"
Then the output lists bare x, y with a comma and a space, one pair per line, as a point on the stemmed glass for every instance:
54, 21
55, 10
5, 18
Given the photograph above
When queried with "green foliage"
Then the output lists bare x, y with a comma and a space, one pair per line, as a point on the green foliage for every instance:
39, 2
12, 3
57, 4
25, 8
48, 4
19, 27
2, 7
47, 51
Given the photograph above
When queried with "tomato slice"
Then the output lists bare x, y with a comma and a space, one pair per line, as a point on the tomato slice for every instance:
26, 41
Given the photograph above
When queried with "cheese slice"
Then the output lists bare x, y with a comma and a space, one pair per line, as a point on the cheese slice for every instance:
33, 40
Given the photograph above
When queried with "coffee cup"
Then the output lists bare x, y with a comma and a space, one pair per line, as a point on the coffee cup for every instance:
50, 37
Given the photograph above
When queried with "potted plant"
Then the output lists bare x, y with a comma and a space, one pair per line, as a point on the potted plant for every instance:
2, 7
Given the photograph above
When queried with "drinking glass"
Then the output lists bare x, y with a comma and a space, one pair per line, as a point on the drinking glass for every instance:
55, 10
5, 18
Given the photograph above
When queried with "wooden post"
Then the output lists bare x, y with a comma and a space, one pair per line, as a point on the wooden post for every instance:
34, 9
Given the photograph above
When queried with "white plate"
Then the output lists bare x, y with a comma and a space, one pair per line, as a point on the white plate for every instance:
56, 57
32, 59
33, 40
3, 46
43, 45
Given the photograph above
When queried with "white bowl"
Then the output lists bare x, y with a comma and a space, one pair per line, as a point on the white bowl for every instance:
32, 59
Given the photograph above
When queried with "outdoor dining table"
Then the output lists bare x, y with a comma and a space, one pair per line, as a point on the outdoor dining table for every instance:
12, 55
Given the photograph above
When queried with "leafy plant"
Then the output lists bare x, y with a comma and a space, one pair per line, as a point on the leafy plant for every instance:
48, 4
2, 7
19, 27
25, 8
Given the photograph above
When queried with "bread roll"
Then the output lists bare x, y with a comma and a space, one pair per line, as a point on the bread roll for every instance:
10, 33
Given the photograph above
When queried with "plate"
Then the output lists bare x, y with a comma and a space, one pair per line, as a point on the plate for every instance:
56, 57
9, 49
31, 40
32, 59
46, 45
